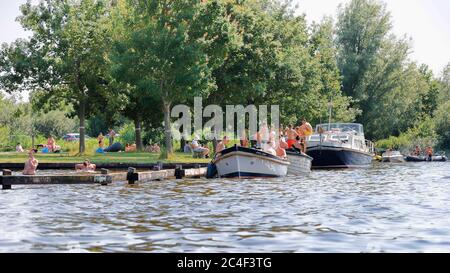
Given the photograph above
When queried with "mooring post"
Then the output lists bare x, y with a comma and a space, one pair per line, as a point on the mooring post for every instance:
158, 166
179, 172
132, 175
6, 172
104, 171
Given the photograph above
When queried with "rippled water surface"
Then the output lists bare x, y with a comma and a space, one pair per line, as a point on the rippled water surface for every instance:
389, 207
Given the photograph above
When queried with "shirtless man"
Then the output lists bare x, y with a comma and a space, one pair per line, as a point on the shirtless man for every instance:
86, 166
291, 135
31, 164
222, 145
417, 151
305, 130
243, 141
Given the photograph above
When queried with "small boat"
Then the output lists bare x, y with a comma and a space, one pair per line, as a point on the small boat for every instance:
421, 158
242, 162
300, 162
340, 145
393, 157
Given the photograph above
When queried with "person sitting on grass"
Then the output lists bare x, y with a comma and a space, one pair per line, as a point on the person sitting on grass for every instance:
130, 148
19, 148
86, 166
197, 148
51, 144
31, 164
156, 149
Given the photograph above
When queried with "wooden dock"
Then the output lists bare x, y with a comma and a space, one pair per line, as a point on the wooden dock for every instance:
104, 177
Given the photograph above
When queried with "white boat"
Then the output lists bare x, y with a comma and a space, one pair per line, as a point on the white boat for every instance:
339, 145
300, 162
393, 156
244, 162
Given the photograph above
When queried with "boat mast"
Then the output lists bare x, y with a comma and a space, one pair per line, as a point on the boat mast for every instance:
329, 115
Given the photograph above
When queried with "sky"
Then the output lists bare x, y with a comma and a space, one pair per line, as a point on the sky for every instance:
427, 22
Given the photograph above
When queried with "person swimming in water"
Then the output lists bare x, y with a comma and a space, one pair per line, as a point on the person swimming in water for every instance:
31, 164
86, 166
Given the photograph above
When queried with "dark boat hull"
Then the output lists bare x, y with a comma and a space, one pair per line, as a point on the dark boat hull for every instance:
424, 159
332, 157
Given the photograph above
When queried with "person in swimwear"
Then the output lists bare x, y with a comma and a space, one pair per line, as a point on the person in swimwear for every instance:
101, 140
291, 135
304, 131
222, 145
31, 164
51, 144
86, 166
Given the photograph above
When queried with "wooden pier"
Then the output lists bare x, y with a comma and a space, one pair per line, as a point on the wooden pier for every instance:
104, 177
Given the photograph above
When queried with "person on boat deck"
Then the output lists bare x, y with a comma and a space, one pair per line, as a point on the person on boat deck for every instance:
305, 130
281, 148
31, 164
51, 144
19, 148
101, 140
222, 145
196, 147
429, 152
417, 151
243, 141
269, 148
291, 135
85, 166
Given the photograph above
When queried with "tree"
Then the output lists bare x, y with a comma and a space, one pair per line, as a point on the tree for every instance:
171, 51
64, 57
361, 29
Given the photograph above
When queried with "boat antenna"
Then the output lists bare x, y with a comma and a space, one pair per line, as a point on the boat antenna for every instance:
329, 115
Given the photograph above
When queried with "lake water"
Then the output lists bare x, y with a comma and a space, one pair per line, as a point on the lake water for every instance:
388, 207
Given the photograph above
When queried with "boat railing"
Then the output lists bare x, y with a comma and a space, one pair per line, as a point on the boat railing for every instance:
370, 146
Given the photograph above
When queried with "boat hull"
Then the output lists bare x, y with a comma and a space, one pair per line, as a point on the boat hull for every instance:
300, 163
336, 157
239, 162
393, 159
423, 158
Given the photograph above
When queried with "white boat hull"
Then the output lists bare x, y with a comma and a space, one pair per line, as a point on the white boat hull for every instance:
393, 159
243, 164
300, 164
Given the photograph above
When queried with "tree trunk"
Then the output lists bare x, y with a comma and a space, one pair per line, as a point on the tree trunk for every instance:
137, 129
82, 117
182, 144
167, 127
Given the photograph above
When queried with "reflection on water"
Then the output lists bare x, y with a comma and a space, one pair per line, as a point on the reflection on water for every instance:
389, 207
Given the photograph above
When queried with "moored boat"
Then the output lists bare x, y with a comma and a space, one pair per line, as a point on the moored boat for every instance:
300, 162
245, 162
340, 145
393, 157
421, 158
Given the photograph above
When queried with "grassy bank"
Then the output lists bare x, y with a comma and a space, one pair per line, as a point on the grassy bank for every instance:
101, 158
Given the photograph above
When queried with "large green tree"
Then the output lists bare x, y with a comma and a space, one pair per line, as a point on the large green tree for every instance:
64, 57
171, 51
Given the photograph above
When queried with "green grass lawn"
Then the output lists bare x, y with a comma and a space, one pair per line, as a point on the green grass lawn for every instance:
101, 158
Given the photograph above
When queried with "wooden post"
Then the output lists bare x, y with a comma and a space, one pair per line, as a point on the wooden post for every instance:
104, 171
132, 176
179, 172
6, 173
